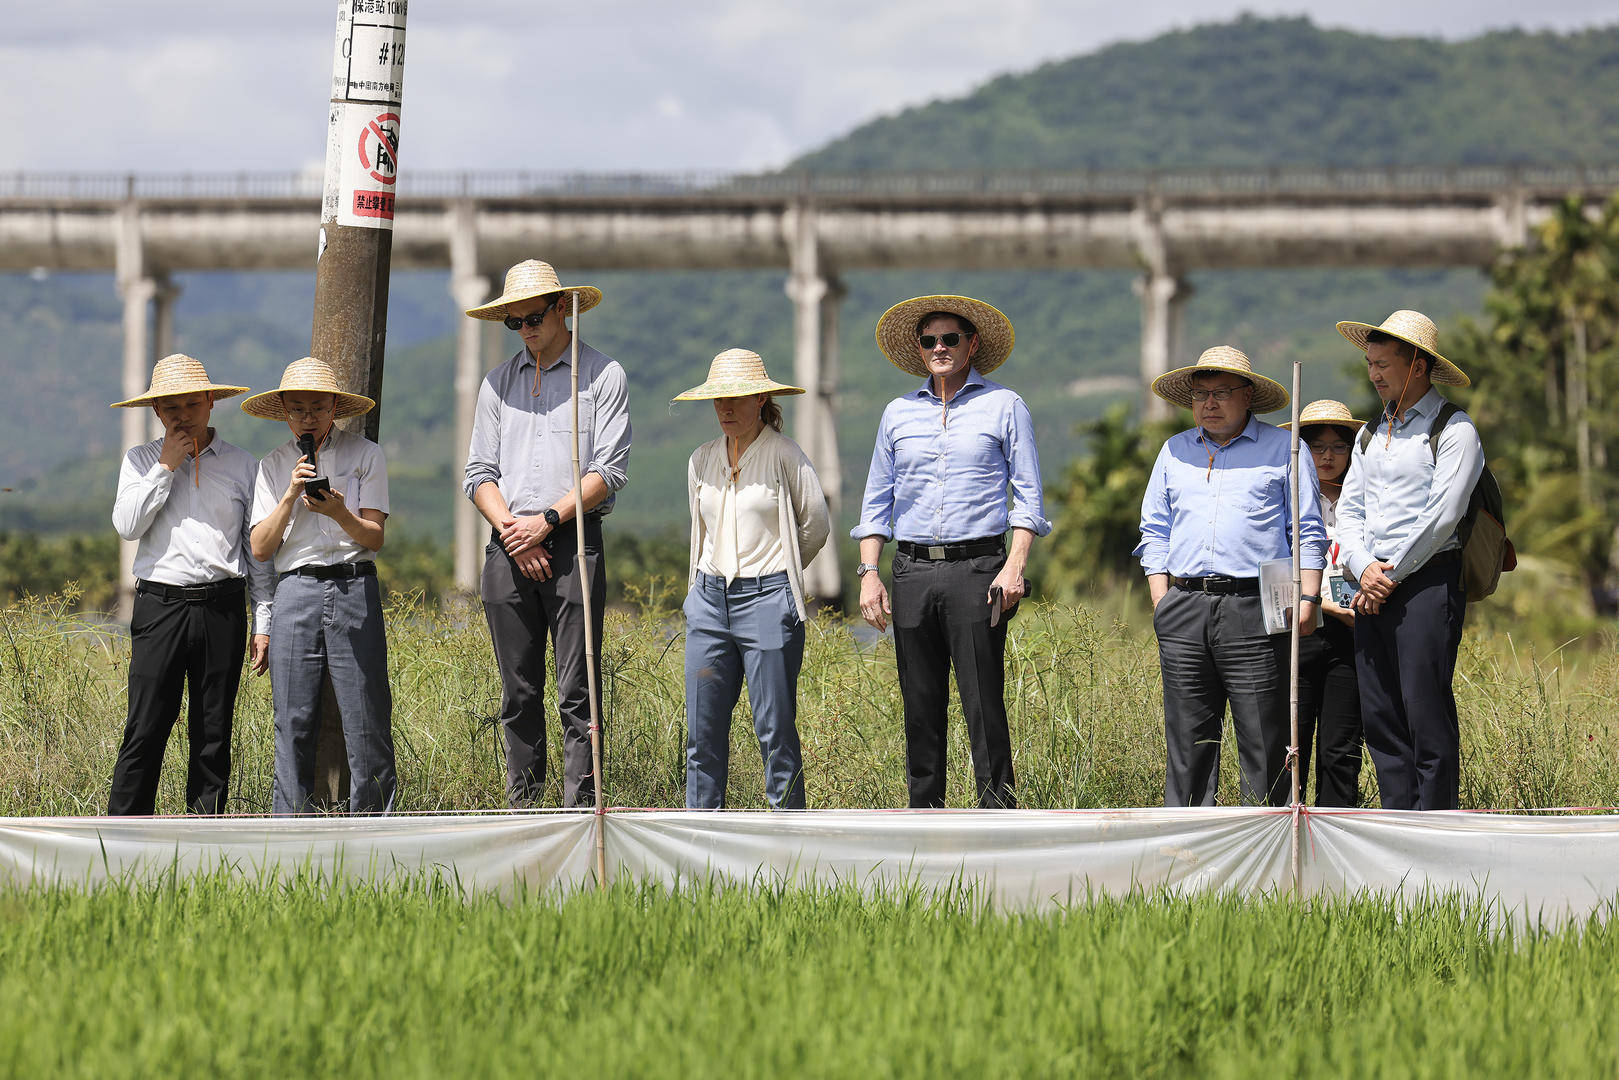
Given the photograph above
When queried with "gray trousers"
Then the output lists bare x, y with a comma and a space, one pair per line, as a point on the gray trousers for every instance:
1213, 651
336, 626
521, 613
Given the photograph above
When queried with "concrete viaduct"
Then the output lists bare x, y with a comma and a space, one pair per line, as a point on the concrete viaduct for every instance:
813, 226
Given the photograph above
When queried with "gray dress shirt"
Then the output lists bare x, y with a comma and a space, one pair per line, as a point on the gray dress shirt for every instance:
520, 440
192, 524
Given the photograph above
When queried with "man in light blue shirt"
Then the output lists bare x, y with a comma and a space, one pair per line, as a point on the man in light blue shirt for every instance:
947, 453
1218, 503
1407, 490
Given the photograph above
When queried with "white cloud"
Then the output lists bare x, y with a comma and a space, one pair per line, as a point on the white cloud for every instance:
623, 84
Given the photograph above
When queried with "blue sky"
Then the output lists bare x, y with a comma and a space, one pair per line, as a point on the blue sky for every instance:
646, 85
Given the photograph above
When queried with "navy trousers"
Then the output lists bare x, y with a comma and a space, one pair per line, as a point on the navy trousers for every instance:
1329, 716
1405, 657
749, 627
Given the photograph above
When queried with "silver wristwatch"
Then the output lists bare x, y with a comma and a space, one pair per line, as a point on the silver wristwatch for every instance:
864, 568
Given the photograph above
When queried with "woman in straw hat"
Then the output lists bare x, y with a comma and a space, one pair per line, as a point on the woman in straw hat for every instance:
519, 474
946, 456
1218, 504
1329, 696
758, 517
327, 618
185, 498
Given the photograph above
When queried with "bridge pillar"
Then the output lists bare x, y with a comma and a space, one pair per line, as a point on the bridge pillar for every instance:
815, 368
137, 288
1163, 333
470, 288
163, 301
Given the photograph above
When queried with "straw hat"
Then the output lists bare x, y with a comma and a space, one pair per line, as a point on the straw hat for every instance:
1413, 328
1175, 386
179, 374
736, 373
1326, 411
310, 376
896, 331
531, 279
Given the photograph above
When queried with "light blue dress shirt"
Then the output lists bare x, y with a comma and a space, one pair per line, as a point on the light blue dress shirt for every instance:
1225, 509
940, 472
1399, 505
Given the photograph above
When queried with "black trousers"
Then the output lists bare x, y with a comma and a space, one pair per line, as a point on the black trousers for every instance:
1406, 660
521, 613
941, 620
176, 643
1214, 651
1329, 715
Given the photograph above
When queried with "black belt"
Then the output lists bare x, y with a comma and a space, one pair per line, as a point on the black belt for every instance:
1218, 585
213, 590
339, 571
962, 549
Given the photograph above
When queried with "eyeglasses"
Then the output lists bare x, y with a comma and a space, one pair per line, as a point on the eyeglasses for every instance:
319, 412
1223, 394
532, 319
951, 340
1330, 448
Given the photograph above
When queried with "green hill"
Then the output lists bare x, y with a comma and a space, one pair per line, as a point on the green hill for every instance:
1254, 91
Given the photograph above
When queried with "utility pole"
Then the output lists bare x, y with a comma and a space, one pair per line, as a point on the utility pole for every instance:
355, 249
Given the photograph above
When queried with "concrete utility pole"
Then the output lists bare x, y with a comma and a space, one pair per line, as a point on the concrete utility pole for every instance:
355, 248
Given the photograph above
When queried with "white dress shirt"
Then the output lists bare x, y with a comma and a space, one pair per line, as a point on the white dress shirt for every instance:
356, 467
192, 524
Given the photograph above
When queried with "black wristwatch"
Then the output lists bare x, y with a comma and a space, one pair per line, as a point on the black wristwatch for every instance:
552, 518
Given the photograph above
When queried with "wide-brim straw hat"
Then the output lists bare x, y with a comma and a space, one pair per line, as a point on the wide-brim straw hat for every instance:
310, 376
529, 280
1413, 328
736, 373
1328, 412
178, 374
896, 331
1175, 386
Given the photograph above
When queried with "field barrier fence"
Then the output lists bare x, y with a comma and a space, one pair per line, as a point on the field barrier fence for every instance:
1533, 867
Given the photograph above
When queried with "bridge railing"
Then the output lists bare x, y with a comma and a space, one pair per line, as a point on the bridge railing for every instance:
1212, 182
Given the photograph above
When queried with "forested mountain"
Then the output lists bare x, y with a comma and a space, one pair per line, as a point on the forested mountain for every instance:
1253, 91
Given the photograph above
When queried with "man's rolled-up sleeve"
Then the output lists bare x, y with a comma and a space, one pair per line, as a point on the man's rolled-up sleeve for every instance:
877, 504
610, 453
1312, 530
483, 449
1023, 465
1153, 551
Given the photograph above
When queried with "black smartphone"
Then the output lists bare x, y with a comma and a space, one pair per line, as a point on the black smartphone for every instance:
315, 487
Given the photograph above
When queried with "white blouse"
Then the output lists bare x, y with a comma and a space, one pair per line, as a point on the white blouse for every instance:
770, 517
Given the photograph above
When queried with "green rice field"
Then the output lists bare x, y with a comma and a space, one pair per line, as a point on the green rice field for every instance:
220, 977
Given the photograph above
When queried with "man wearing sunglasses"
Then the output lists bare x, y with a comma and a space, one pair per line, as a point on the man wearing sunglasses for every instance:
1218, 503
519, 474
946, 456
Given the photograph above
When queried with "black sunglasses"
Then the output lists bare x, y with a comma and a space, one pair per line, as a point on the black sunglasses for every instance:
951, 340
533, 318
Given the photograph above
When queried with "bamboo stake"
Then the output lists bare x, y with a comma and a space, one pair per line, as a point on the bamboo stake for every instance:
1293, 645
590, 623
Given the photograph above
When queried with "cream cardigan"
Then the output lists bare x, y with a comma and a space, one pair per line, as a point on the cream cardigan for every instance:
803, 522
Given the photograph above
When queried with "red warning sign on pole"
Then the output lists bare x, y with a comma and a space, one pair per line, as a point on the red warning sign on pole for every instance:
364, 139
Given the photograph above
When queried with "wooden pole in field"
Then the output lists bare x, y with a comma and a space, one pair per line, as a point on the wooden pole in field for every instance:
590, 622
1293, 644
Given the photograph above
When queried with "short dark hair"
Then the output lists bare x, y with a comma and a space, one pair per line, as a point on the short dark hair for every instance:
962, 321
770, 413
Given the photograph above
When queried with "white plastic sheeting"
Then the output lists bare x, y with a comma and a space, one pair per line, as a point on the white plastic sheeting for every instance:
1547, 868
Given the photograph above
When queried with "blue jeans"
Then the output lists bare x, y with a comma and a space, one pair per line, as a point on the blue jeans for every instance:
320, 627
752, 627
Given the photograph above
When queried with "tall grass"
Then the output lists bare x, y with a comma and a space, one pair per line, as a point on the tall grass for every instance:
215, 976
1540, 723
